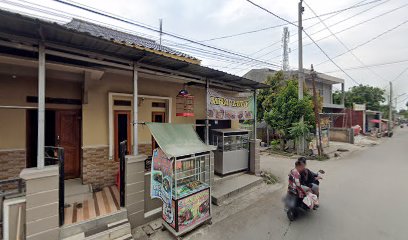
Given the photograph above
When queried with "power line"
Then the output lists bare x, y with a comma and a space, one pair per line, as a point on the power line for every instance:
366, 42
399, 75
277, 16
342, 43
355, 25
369, 66
317, 45
348, 18
361, 3
128, 21
281, 25
215, 56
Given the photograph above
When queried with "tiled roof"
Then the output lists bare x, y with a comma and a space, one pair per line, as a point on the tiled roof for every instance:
122, 37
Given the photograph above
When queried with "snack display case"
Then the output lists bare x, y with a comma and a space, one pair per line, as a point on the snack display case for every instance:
180, 176
232, 154
191, 198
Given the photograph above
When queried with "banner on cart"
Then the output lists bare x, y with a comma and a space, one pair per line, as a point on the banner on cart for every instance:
193, 209
162, 182
229, 106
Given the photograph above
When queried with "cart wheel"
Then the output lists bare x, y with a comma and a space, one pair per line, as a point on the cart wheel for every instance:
163, 228
210, 222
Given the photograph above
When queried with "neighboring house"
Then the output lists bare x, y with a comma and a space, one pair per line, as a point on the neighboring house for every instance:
94, 87
324, 85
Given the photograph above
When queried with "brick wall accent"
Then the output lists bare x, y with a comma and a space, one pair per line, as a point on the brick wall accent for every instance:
11, 164
97, 169
145, 148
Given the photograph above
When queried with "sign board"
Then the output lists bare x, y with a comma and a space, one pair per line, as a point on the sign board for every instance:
162, 182
229, 106
359, 107
194, 209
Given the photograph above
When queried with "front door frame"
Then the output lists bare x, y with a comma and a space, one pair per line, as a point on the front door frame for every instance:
77, 173
111, 97
29, 134
129, 127
163, 114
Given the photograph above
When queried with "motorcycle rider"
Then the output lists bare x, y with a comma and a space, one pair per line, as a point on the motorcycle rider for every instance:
294, 179
309, 178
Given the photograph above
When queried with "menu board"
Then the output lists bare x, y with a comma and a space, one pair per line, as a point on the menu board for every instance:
229, 106
193, 209
162, 182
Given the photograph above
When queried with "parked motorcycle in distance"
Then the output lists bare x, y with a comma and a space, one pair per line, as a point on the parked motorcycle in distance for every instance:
294, 204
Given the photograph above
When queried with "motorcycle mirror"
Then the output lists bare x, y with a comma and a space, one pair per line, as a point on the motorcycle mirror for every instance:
321, 171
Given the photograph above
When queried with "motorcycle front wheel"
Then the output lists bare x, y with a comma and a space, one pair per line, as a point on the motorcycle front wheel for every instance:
291, 213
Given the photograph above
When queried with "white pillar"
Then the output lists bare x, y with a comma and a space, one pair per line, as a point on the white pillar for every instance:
207, 129
135, 106
41, 106
255, 114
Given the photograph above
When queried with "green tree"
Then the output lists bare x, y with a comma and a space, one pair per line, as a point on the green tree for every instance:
404, 113
266, 97
362, 94
287, 109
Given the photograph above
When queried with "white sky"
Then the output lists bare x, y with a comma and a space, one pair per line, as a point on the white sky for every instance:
206, 19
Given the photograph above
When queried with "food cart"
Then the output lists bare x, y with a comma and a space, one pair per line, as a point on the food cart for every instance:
232, 154
181, 176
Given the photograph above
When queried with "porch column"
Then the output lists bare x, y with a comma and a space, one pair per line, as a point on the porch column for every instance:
254, 147
207, 129
135, 106
41, 106
343, 94
255, 114
42, 205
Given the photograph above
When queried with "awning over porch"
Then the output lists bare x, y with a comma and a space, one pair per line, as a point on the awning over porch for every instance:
178, 139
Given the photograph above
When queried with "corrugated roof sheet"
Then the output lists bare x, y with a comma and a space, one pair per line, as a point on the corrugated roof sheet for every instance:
82, 37
119, 36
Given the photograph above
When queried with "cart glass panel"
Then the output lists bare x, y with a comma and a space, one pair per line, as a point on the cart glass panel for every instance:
191, 175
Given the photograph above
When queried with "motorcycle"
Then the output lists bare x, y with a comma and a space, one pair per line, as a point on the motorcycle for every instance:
294, 204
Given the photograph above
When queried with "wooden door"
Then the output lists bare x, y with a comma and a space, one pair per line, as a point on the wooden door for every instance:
68, 137
157, 117
122, 126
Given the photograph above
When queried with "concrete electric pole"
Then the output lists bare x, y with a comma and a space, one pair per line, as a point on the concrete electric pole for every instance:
301, 147
285, 54
390, 113
300, 49
317, 116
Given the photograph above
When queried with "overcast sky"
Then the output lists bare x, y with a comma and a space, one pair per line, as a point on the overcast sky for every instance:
206, 19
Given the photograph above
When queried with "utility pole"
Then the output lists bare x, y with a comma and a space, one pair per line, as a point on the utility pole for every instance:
300, 68
285, 54
300, 49
317, 116
390, 113
161, 30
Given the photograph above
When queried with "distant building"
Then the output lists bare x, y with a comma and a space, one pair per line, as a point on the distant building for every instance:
324, 85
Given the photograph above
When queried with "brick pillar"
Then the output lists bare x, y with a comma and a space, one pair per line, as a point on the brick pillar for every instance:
254, 157
42, 215
135, 187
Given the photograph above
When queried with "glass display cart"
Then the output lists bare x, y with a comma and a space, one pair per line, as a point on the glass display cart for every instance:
191, 195
232, 154
180, 176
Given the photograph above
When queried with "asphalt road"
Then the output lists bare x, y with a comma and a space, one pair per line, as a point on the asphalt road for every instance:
363, 196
